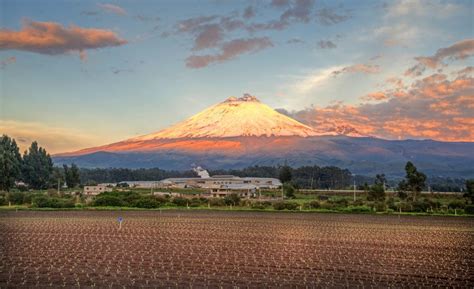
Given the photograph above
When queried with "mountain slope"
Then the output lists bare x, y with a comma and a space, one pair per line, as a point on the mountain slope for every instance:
241, 132
244, 116
363, 156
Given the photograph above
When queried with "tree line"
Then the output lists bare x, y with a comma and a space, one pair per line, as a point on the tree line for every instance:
34, 168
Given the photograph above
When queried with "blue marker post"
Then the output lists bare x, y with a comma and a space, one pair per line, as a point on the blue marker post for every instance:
120, 220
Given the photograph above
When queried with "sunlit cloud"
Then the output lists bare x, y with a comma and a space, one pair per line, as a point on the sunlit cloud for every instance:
307, 82
435, 107
53, 39
457, 51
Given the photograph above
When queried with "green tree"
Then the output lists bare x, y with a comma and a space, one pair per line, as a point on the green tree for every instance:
72, 175
470, 190
57, 177
414, 180
380, 179
376, 192
10, 163
289, 190
232, 199
37, 167
285, 174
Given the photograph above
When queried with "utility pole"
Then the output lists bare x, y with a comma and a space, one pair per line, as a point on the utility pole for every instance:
354, 186
59, 180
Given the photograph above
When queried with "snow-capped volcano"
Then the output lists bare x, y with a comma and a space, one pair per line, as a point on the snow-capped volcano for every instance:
244, 116
240, 132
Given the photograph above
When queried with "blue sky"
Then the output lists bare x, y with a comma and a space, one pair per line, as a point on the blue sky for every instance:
116, 91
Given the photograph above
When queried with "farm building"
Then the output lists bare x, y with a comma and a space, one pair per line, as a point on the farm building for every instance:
95, 190
221, 182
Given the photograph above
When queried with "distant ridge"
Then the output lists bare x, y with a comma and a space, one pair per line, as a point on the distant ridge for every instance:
240, 132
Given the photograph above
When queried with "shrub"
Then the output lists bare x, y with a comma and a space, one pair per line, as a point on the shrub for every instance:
147, 202
3, 201
358, 202
376, 193
108, 200
421, 205
22, 188
402, 195
456, 204
391, 204
180, 202
339, 202
358, 209
216, 202
232, 199
282, 205
261, 205
469, 209
195, 202
404, 206
128, 198
312, 205
289, 190
16, 198
42, 201
60, 203
380, 206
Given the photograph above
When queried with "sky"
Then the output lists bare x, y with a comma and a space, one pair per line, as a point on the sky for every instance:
77, 74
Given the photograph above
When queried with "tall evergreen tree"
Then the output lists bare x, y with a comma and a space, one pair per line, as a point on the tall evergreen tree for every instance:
72, 175
285, 174
414, 180
10, 163
470, 190
37, 167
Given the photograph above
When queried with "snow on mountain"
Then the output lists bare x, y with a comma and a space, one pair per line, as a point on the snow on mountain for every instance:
244, 116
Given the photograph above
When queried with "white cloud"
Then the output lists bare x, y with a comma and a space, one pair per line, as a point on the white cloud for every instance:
307, 82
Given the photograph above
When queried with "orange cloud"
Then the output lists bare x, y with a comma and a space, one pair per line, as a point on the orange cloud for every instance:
434, 107
53, 38
458, 50
375, 96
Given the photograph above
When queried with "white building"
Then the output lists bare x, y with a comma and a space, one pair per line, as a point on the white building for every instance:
227, 182
95, 190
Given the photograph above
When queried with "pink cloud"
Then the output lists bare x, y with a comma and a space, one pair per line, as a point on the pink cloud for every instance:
375, 96
53, 38
434, 107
